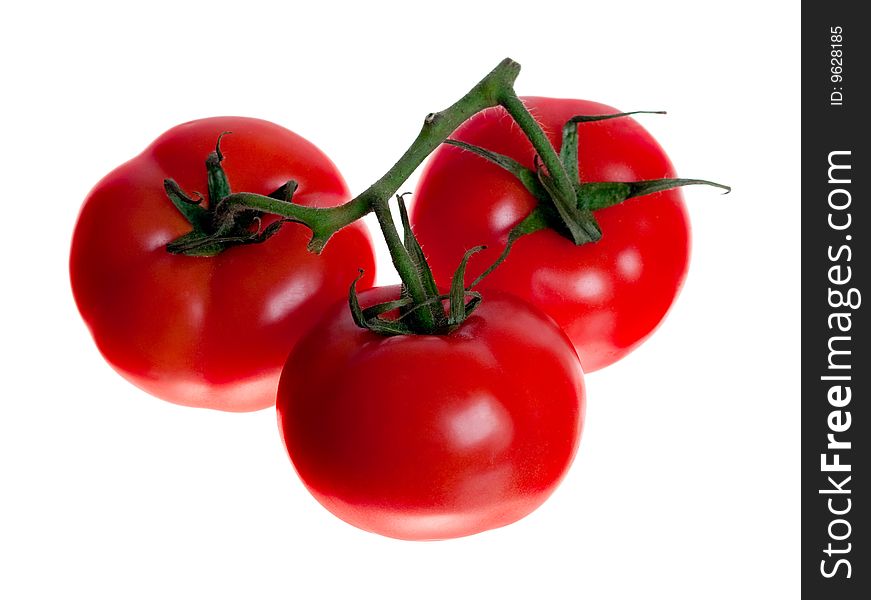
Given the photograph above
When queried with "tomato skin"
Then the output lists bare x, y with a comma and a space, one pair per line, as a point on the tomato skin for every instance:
431, 437
608, 296
209, 332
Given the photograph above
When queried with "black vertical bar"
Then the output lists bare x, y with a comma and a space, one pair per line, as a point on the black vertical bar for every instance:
835, 369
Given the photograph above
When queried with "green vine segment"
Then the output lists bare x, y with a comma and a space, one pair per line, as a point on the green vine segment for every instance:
565, 204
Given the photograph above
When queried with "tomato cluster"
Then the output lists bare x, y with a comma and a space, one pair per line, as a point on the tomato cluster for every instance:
463, 428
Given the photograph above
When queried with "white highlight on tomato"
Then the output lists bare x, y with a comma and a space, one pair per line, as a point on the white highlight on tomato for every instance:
629, 264
478, 423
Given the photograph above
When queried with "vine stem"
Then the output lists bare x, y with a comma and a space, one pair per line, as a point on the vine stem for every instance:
553, 182
565, 198
324, 222
404, 265
497, 88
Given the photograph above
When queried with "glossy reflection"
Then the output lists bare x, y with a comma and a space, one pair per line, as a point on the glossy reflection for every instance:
483, 422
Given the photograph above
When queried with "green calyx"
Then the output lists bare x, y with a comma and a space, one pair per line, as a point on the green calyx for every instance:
218, 225
577, 223
430, 312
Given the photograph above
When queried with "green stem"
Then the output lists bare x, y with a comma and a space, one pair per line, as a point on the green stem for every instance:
325, 222
422, 317
438, 126
565, 197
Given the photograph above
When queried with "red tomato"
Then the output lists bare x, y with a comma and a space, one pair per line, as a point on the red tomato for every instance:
607, 296
430, 437
209, 332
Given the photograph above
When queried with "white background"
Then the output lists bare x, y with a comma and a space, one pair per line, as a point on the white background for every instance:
686, 483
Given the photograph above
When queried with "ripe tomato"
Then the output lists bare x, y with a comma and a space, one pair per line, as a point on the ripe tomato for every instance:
607, 296
430, 437
208, 332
